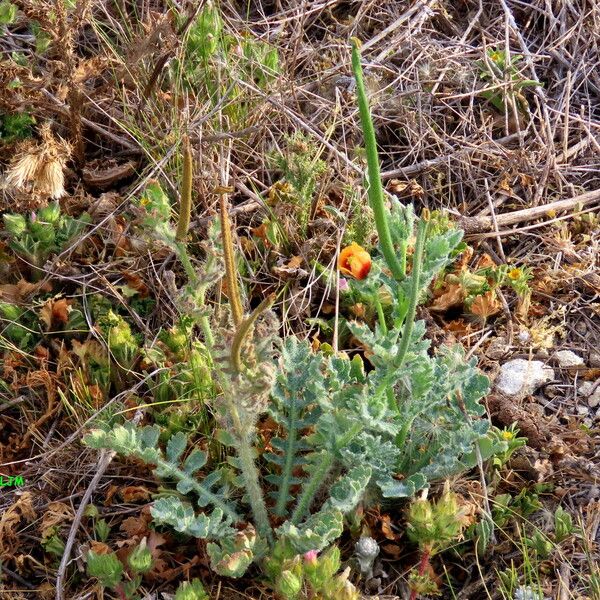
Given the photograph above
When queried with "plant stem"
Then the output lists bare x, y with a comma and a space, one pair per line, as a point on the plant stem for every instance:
312, 486
183, 225
181, 250
401, 438
389, 392
415, 288
209, 339
375, 189
250, 475
192, 276
380, 316
290, 453
185, 203
255, 495
403, 249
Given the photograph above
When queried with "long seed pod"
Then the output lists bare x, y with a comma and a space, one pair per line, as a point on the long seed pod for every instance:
375, 189
185, 204
233, 290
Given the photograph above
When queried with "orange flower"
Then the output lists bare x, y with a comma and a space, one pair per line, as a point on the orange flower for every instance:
354, 260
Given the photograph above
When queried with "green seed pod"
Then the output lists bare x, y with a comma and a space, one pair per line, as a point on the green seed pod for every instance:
448, 518
421, 521
140, 559
289, 585
191, 590
330, 562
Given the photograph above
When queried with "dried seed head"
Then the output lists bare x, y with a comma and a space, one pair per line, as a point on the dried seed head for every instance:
39, 169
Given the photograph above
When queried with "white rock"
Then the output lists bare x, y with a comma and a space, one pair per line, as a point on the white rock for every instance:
521, 377
566, 358
591, 391
594, 359
583, 410
524, 336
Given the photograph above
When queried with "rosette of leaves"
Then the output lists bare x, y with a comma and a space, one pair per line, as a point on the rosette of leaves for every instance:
342, 432
179, 365
330, 393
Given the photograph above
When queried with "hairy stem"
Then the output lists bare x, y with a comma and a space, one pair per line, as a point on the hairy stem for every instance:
181, 250
375, 189
290, 453
185, 203
233, 290
192, 276
250, 475
255, 494
415, 288
312, 486
380, 315
423, 564
401, 437
183, 225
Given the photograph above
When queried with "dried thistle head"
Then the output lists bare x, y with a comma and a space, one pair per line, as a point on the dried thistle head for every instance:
40, 169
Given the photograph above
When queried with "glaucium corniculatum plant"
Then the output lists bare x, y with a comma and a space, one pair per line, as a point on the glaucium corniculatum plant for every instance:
345, 435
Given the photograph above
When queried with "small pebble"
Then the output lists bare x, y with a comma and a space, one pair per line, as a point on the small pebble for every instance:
567, 358
594, 398
591, 391
582, 410
586, 388
524, 336
498, 348
594, 360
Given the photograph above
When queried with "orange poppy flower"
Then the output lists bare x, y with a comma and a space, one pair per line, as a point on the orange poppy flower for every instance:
355, 261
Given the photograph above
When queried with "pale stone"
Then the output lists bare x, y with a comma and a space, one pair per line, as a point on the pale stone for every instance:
594, 359
567, 358
520, 377
591, 391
